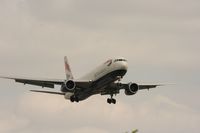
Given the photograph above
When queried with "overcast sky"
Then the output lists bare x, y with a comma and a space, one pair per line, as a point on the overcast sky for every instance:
159, 38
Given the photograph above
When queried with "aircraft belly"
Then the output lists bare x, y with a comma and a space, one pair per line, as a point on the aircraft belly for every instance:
101, 83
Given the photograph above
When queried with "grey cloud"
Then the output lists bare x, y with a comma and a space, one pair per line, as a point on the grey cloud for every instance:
106, 14
43, 115
160, 39
11, 122
112, 8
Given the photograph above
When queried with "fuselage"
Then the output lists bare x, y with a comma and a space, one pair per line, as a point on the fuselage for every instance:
104, 75
108, 67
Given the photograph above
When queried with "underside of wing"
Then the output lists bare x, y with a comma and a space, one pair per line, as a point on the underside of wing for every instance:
49, 83
142, 87
38, 82
116, 87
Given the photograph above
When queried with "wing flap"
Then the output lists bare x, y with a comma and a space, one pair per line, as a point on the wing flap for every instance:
37, 83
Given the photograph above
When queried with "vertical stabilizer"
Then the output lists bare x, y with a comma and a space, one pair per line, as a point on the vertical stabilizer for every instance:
67, 69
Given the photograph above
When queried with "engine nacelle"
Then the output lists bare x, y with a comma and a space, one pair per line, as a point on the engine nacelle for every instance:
131, 89
68, 86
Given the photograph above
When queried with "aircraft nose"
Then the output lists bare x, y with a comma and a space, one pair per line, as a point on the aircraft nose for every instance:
124, 66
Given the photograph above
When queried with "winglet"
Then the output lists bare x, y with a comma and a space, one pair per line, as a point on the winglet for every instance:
67, 69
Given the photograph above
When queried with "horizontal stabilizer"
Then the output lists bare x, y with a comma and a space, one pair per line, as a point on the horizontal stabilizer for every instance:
49, 92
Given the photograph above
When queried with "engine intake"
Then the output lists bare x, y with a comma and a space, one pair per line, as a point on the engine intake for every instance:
68, 86
131, 89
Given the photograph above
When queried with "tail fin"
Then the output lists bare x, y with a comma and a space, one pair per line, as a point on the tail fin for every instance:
67, 69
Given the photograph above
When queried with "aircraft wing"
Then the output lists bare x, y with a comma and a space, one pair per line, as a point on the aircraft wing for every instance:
142, 87
116, 87
49, 83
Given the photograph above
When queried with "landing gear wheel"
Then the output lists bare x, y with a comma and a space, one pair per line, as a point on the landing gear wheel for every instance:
74, 99
111, 101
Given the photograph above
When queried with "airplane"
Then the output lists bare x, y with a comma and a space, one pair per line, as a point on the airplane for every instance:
104, 80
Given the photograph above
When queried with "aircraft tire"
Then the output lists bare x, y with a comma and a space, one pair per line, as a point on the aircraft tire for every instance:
109, 101
76, 99
113, 101
72, 99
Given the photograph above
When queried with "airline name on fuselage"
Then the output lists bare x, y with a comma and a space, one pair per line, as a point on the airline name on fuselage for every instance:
100, 73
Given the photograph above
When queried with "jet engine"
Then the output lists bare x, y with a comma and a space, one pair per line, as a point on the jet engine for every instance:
68, 86
131, 89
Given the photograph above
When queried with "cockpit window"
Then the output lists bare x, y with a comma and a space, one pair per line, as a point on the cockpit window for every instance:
116, 60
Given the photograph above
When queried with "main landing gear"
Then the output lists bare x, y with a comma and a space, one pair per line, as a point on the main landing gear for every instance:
111, 100
112, 92
74, 99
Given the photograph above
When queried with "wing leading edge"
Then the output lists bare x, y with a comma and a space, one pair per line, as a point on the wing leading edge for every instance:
142, 87
116, 87
38, 82
49, 83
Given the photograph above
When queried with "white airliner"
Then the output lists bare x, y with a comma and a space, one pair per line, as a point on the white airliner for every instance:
104, 80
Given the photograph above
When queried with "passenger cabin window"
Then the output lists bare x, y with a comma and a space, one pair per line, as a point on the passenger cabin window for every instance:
116, 60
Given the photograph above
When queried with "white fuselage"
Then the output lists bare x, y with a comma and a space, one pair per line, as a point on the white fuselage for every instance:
102, 76
106, 68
